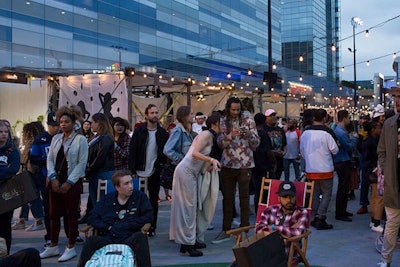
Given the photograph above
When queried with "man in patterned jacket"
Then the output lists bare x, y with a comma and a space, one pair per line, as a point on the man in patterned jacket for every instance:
238, 140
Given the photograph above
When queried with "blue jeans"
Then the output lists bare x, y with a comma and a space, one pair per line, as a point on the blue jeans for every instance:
36, 207
286, 168
94, 181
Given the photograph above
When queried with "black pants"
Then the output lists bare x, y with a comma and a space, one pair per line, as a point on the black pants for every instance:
153, 185
22, 258
5, 228
137, 242
343, 170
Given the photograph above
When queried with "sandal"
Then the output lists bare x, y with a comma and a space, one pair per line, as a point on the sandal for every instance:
168, 197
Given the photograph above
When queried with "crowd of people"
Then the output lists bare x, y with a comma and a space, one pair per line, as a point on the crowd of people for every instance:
229, 150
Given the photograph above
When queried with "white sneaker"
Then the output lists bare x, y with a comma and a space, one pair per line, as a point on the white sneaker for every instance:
383, 264
378, 229
371, 224
50, 252
35, 227
68, 254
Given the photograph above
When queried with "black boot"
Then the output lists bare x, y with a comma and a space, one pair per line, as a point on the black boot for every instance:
191, 250
199, 245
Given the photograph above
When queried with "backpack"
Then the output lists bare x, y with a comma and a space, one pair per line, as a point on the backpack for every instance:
114, 255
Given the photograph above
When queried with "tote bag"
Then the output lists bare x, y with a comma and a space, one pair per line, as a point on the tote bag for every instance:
17, 191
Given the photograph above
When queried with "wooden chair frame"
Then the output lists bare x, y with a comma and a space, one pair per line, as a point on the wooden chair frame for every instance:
240, 233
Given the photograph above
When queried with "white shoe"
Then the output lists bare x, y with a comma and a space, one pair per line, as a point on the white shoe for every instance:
35, 227
383, 264
378, 229
50, 252
68, 254
371, 224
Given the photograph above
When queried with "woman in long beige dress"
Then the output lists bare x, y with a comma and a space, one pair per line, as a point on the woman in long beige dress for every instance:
185, 188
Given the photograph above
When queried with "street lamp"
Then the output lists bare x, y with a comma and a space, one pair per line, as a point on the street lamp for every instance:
354, 22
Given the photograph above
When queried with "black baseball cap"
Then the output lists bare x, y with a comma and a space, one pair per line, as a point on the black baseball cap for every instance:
286, 189
52, 119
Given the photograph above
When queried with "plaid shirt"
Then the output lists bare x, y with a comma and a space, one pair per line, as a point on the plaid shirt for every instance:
292, 224
121, 153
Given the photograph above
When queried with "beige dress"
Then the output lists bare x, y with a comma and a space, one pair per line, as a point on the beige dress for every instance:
184, 197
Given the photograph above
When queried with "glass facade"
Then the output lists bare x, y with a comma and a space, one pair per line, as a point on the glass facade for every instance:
309, 29
177, 37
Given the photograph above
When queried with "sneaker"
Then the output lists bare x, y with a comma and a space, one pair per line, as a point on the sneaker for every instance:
362, 210
18, 225
50, 252
383, 264
378, 229
35, 227
221, 237
79, 240
68, 254
47, 244
371, 224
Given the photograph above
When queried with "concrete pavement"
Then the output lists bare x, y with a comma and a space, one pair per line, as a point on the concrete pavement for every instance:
348, 244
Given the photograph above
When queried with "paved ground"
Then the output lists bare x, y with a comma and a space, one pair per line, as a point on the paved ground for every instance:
348, 244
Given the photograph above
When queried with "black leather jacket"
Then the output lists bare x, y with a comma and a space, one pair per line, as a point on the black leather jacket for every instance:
101, 156
137, 148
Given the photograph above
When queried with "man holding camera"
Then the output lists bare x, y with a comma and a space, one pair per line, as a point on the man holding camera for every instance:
238, 140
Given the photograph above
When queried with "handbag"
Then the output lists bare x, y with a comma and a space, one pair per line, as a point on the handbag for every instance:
17, 191
261, 250
167, 175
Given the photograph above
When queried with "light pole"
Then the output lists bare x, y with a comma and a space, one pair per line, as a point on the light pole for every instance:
354, 22
119, 49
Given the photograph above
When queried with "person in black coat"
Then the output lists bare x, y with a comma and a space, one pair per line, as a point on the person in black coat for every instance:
264, 159
119, 218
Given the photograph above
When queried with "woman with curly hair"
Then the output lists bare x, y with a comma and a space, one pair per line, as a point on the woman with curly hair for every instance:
66, 163
29, 132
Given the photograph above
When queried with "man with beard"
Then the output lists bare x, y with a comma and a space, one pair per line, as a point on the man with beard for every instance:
146, 156
286, 218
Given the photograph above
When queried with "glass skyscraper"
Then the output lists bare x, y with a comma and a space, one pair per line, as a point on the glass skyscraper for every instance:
309, 29
177, 37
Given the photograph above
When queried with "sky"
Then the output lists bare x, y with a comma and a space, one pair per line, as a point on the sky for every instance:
382, 40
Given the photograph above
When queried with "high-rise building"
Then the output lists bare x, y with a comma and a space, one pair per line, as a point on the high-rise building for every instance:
309, 30
180, 37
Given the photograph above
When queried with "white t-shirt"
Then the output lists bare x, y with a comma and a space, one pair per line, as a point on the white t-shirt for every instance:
198, 128
151, 155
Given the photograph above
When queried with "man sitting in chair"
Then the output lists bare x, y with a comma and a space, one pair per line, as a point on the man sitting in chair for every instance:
119, 218
286, 218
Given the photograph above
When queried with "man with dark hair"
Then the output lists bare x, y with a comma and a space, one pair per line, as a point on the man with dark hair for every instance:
146, 156
317, 144
343, 164
286, 218
278, 141
238, 139
200, 123
38, 158
119, 217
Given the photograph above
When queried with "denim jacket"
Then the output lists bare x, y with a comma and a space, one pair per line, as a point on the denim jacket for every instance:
76, 158
347, 144
178, 144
